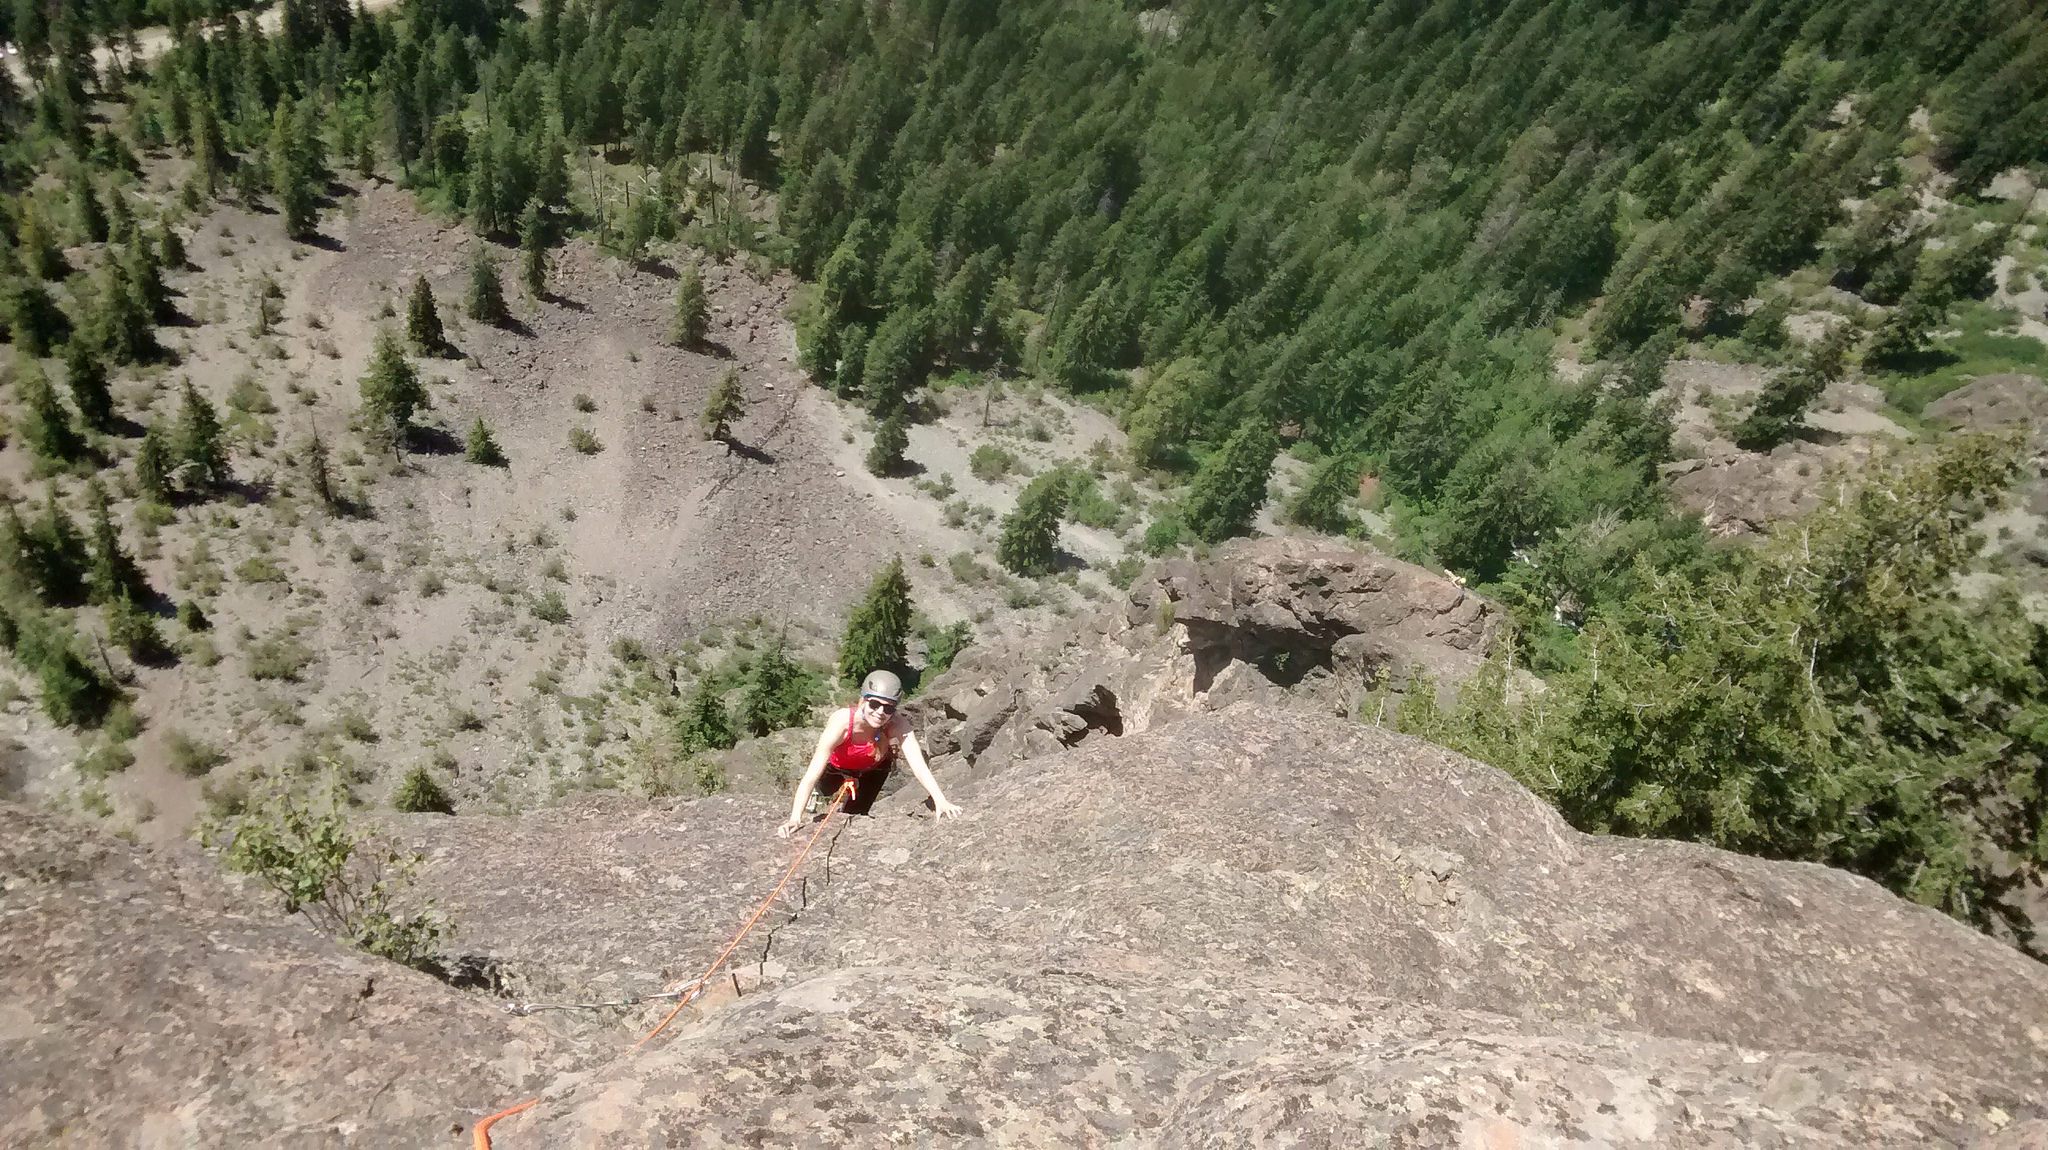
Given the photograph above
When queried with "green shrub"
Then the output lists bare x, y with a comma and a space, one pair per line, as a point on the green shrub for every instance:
418, 793
343, 881
584, 440
280, 657
990, 463
549, 608
110, 758
191, 617
482, 447
190, 757
703, 725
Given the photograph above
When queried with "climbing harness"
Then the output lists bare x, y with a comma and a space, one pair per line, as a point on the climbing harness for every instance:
684, 990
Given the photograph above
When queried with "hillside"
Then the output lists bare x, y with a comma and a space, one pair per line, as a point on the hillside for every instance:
494, 429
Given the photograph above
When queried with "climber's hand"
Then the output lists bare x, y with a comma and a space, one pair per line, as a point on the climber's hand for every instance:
789, 828
945, 810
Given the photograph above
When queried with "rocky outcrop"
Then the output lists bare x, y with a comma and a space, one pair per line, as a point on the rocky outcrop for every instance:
1995, 403
141, 1006
1246, 926
1279, 621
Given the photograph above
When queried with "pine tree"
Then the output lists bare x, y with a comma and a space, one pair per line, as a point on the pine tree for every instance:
45, 424
34, 321
727, 403
692, 311
486, 303
895, 361
391, 390
422, 319
319, 476
1231, 487
1322, 501
776, 693
198, 445
418, 793
533, 250
1029, 544
878, 631
113, 574
61, 561
41, 255
87, 379
892, 438
132, 628
1779, 413
86, 211
153, 465
170, 247
703, 725
482, 447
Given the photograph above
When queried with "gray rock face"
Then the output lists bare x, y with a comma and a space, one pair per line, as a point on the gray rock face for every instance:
1246, 926
140, 1007
1289, 621
1252, 926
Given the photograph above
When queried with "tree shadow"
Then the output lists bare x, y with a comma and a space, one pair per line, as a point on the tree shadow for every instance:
126, 428
713, 348
575, 305
324, 242
654, 267
432, 441
1064, 561
747, 451
1926, 361
250, 490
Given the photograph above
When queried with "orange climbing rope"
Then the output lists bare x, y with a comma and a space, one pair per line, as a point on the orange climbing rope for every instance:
481, 1139
482, 1136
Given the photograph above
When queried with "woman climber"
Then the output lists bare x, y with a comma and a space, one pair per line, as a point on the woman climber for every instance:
859, 745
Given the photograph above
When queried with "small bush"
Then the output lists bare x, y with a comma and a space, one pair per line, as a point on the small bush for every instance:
707, 774
482, 447
260, 569
990, 463
343, 881
280, 657
583, 402
549, 608
192, 758
356, 725
191, 617
584, 440
106, 759
419, 794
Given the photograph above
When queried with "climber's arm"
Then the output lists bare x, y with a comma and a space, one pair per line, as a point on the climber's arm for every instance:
835, 729
914, 754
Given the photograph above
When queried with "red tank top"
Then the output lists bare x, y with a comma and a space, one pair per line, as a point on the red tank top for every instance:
864, 755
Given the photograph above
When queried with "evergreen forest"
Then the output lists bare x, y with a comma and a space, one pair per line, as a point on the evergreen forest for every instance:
1359, 232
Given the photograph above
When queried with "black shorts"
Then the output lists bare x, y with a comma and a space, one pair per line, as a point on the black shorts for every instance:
867, 786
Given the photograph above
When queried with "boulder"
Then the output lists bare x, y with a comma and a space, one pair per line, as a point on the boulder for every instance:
1286, 622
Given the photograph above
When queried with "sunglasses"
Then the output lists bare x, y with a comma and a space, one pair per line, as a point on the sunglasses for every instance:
882, 705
